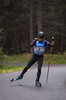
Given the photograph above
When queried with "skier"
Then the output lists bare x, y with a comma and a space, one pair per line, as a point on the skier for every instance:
39, 47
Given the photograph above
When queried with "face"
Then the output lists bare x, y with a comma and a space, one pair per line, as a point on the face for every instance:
40, 39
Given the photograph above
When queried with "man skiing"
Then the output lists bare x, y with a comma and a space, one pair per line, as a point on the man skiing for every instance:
39, 45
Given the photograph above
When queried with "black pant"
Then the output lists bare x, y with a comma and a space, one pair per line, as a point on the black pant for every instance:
35, 58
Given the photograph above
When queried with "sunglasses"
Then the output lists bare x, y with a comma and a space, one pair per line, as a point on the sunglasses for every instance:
41, 37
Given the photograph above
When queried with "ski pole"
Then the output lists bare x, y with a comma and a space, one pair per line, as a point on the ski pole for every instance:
48, 69
52, 42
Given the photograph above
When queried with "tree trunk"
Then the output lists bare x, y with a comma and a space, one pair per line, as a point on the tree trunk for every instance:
39, 15
31, 23
63, 25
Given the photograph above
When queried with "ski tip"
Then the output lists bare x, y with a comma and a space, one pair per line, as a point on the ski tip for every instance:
12, 80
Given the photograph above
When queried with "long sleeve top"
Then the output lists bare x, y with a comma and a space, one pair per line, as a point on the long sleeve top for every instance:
39, 47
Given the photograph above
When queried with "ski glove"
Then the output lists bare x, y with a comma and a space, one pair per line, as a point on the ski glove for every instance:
33, 42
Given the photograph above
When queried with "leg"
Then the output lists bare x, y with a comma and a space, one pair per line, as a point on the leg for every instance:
40, 62
31, 62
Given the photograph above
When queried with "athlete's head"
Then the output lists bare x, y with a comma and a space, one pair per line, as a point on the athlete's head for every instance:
41, 35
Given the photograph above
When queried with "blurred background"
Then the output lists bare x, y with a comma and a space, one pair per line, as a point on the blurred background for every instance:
21, 20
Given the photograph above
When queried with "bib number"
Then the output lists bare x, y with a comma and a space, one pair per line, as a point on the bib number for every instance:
39, 49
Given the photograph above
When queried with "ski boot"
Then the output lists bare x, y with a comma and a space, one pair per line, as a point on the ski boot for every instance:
17, 78
38, 84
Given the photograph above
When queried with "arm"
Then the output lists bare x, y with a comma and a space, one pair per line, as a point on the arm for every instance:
48, 43
33, 42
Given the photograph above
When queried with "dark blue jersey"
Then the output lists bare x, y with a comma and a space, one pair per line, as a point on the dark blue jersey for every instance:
39, 47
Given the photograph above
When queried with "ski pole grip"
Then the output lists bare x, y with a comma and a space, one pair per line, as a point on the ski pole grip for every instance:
52, 41
52, 38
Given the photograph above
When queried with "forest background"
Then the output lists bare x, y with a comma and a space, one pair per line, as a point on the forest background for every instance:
21, 20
